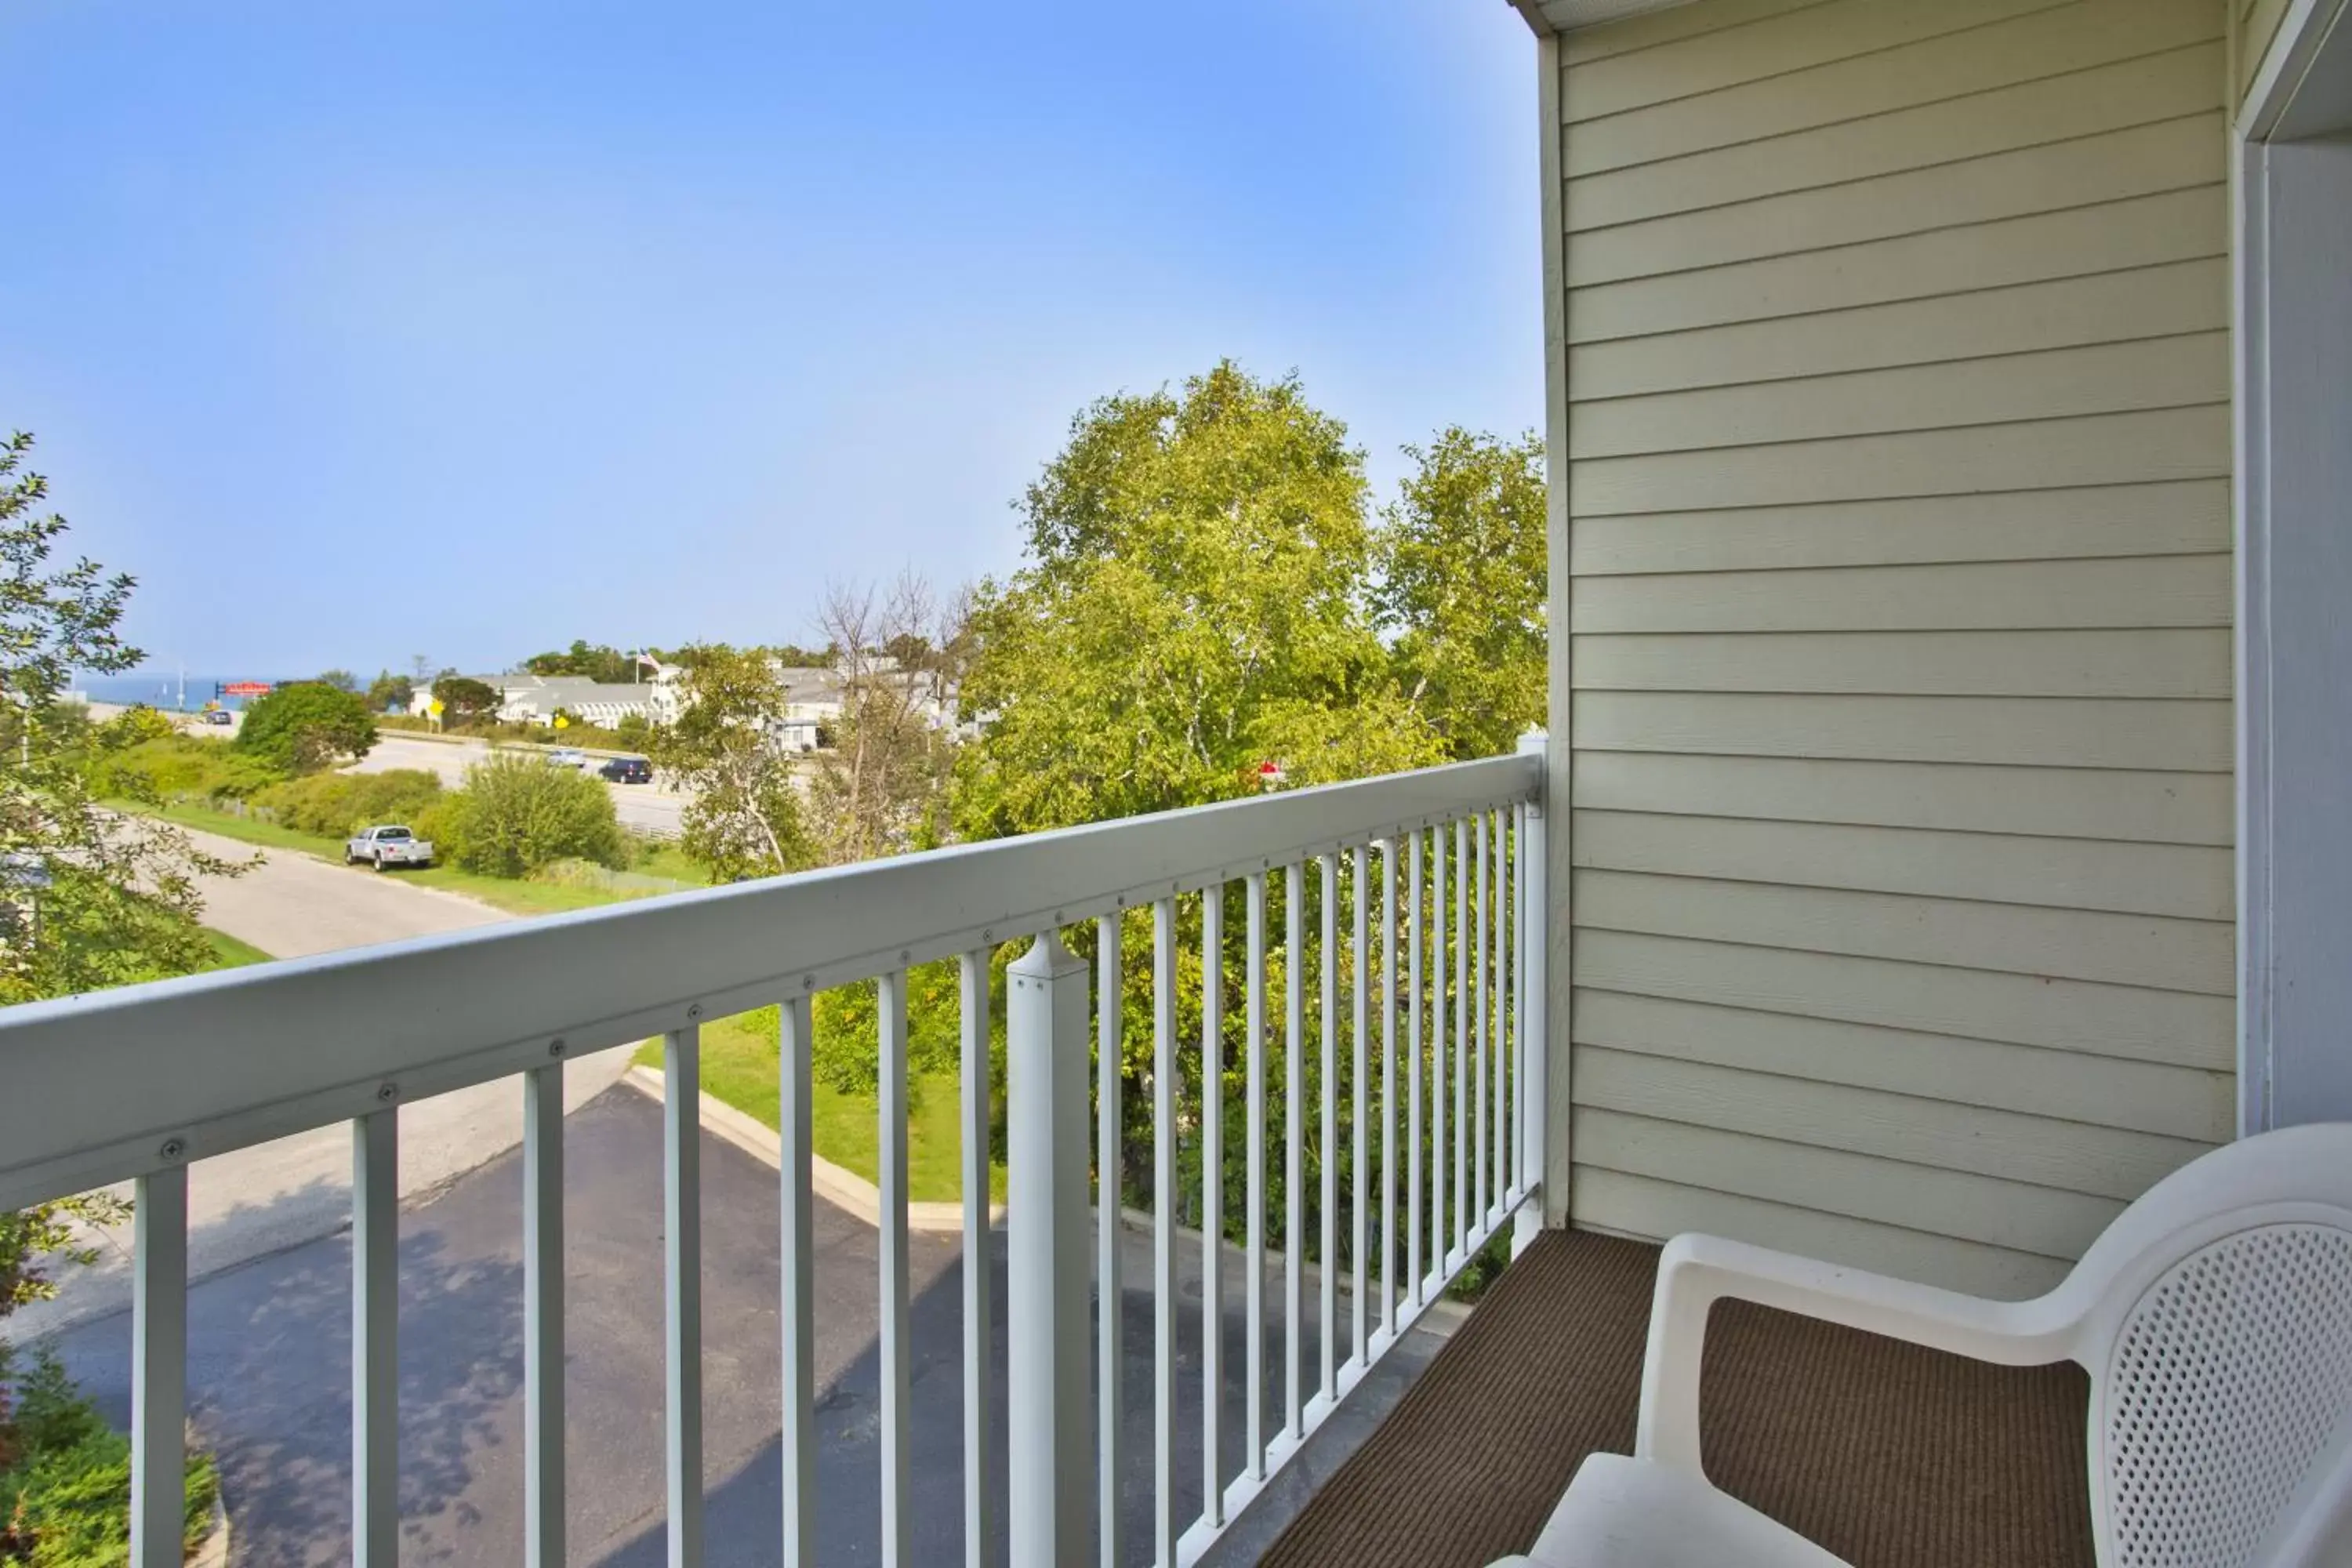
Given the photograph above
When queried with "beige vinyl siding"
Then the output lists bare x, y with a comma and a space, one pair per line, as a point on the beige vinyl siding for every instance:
1897, 370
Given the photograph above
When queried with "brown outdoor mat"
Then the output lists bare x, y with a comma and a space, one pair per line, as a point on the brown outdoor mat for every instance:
1891, 1455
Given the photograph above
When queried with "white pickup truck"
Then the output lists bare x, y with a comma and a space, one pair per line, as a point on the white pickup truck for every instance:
387, 847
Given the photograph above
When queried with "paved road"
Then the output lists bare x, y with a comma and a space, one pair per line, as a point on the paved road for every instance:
269, 1359
292, 904
648, 808
276, 1194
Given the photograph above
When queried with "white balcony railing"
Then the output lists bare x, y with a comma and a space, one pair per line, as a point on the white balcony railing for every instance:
1381, 887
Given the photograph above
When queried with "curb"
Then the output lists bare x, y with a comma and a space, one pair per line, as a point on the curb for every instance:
213, 1553
855, 1193
845, 1189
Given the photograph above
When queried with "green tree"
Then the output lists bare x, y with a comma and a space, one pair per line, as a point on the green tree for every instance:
90, 896
744, 819
791, 656
516, 814
302, 728
880, 787
1194, 606
596, 661
388, 692
465, 701
1461, 588
341, 679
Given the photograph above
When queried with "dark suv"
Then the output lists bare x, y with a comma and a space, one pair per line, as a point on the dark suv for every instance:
627, 770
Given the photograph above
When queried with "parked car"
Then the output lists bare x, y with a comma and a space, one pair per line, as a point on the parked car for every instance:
387, 847
219, 716
626, 770
567, 757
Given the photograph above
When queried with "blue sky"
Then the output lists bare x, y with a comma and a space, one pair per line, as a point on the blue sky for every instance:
465, 328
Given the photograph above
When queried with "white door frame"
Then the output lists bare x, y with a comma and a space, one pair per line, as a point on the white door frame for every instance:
2304, 33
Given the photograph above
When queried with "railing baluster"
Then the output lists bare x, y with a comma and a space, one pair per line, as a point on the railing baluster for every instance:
1482, 1040
1387, 1087
894, 1352
1415, 1222
978, 1498
1498, 948
159, 1367
1163, 1231
1294, 1141
375, 1343
1255, 1285
1213, 1199
1438, 1218
1327, 957
1523, 955
1357, 1174
797, 1259
682, 1289
542, 1316
1110, 1165
1506, 979
1459, 1235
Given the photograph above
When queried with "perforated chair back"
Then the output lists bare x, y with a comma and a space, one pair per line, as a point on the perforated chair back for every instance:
2216, 1322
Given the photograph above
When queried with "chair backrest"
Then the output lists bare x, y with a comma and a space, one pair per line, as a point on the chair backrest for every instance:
2215, 1319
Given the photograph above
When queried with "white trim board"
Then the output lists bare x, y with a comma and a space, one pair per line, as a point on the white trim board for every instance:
2293, 216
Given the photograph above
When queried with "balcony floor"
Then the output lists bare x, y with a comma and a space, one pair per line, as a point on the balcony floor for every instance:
1888, 1453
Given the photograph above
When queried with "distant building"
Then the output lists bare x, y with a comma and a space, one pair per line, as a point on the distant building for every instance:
528, 699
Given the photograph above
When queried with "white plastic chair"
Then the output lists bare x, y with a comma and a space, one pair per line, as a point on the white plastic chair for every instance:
2214, 1317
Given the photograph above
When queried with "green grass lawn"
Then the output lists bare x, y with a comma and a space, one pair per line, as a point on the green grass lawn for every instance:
228, 953
514, 897
739, 1065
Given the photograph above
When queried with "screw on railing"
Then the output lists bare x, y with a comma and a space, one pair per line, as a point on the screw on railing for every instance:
387, 1091
555, 1047
172, 1148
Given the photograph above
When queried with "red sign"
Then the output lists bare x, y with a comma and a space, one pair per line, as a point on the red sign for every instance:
246, 688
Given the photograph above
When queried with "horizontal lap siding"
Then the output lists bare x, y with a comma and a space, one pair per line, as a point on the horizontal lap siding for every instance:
1899, 442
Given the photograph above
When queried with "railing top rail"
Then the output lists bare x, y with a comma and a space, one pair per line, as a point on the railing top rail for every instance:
114, 1084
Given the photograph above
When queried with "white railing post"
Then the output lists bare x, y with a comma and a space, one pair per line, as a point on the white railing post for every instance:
1534, 1017
376, 1337
1046, 1222
159, 1367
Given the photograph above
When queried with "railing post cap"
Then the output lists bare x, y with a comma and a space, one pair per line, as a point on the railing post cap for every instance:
1046, 959
1535, 742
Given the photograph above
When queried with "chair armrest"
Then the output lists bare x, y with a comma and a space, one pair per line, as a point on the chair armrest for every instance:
1695, 1271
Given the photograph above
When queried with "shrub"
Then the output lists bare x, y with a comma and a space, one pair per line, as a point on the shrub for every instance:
846, 1054
181, 768
339, 805
65, 1476
517, 813
303, 728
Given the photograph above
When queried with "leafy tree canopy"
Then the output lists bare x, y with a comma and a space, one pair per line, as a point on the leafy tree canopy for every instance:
1195, 604
744, 819
597, 662
1461, 588
389, 691
465, 701
302, 728
90, 896
341, 679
